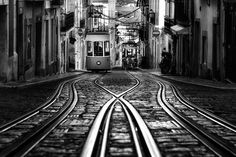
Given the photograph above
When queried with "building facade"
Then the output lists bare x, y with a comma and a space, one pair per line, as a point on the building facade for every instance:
8, 52
206, 35
227, 64
152, 37
29, 42
144, 33
81, 13
37, 38
203, 38
68, 36
214, 39
156, 31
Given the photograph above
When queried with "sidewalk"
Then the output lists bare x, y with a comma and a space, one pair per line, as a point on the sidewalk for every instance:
39, 80
194, 81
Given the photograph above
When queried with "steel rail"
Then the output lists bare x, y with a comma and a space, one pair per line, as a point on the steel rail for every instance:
211, 141
194, 107
205, 113
134, 133
105, 134
28, 115
22, 146
146, 134
121, 94
143, 129
94, 131
50, 101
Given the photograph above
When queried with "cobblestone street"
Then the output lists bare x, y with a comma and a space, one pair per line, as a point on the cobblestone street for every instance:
170, 135
118, 78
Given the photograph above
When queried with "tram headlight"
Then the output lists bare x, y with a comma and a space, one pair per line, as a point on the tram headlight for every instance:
98, 62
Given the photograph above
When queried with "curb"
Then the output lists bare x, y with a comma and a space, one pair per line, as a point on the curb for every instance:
233, 87
38, 82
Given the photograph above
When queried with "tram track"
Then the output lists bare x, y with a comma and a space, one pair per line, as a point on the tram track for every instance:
192, 106
201, 135
25, 132
143, 142
221, 131
159, 122
51, 100
217, 134
220, 147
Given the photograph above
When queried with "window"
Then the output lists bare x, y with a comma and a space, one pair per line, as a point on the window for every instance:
89, 48
95, 23
98, 48
29, 31
172, 9
167, 8
52, 40
106, 48
204, 49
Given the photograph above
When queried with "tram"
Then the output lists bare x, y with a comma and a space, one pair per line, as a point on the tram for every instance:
98, 52
129, 55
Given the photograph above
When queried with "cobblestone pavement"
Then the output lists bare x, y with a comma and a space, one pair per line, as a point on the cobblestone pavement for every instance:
171, 138
19, 131
120, 141
15, 102
117, 81
217, 101
69, 137
216, 97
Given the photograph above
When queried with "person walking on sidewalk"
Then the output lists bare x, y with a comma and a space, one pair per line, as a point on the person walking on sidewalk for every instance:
165, 61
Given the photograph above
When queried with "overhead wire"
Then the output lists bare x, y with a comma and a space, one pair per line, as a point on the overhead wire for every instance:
117, 19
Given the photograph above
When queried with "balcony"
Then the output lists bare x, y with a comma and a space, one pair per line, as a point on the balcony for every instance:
100, 29
68, 21
97, 24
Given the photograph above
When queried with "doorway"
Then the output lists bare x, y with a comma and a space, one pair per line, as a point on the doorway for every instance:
230, 37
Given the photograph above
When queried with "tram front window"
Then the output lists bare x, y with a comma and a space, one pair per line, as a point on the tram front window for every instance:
89, 48
98, 48
107, 48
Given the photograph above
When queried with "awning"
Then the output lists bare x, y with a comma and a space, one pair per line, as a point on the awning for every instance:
177, 29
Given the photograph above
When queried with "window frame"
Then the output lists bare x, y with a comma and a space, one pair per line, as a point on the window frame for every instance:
90, 50
108, 45
98, 53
